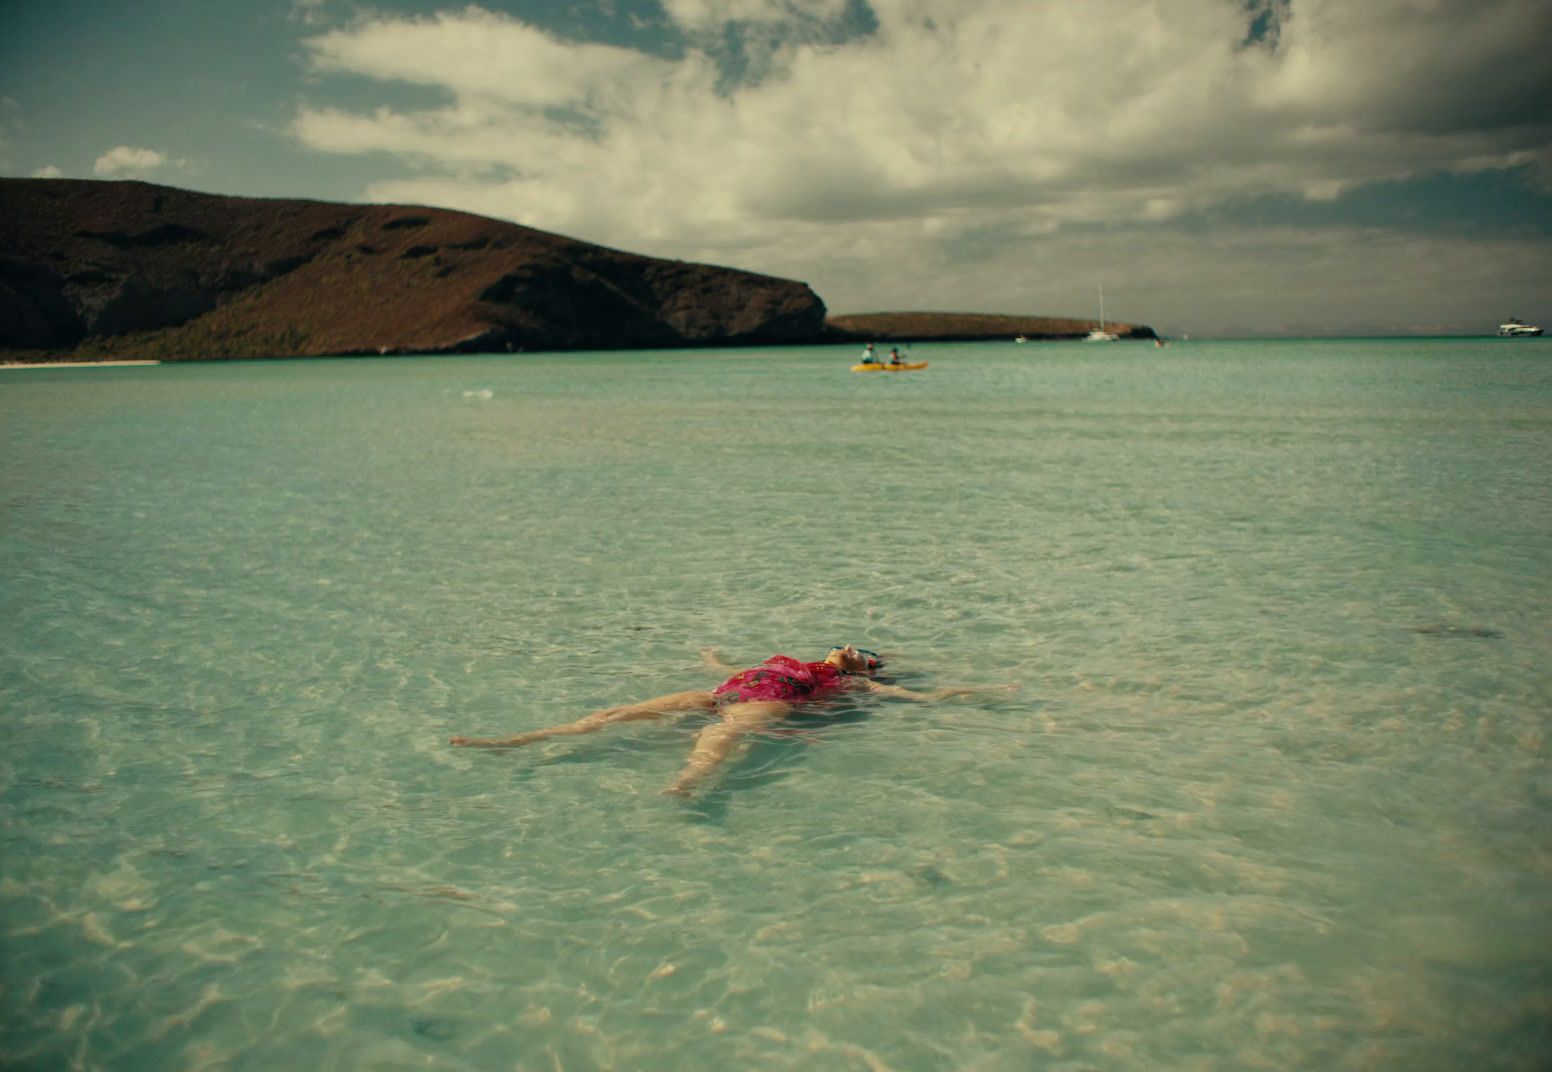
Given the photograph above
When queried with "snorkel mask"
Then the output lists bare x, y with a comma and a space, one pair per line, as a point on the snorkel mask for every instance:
873, 658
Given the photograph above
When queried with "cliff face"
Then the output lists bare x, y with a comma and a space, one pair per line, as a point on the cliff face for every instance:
128, 269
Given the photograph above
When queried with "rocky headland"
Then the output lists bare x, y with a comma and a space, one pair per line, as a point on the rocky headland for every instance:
93, 271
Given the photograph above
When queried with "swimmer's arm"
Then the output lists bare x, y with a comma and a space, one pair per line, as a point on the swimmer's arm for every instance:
710, 657
898, 693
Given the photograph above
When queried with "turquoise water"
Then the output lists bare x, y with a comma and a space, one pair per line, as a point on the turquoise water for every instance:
1273, 792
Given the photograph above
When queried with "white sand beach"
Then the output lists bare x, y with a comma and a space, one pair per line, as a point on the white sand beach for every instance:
72, 364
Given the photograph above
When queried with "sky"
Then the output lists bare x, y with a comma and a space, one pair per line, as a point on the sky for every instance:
1219, 167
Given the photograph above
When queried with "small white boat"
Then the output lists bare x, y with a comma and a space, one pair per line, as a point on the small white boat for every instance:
1518, 329
1019, 338
1099, 334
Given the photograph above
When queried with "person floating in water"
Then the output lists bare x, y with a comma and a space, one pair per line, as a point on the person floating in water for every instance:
868, 356
747, 702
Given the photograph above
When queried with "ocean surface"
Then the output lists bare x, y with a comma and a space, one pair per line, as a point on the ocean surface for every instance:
1273, 792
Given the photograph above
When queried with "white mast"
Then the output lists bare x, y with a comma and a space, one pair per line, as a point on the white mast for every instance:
1099, 334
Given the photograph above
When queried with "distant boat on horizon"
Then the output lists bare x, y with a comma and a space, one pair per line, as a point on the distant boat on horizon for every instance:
1514, 328
1099, 334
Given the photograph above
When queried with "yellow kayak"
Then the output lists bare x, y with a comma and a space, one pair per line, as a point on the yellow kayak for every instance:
884, 366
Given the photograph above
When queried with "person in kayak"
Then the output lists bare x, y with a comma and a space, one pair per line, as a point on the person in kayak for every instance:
748, 701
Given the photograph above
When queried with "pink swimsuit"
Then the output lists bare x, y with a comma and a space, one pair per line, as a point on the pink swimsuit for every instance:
781, 678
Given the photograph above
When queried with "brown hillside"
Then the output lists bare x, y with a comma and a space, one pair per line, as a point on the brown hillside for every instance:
128, 269
910, 327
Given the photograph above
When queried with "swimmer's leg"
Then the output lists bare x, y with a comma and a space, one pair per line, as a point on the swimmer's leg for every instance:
714, 743
638, 712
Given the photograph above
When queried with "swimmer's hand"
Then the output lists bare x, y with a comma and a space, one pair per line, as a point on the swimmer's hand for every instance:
943, 693
972, 690
710, 657
504, 742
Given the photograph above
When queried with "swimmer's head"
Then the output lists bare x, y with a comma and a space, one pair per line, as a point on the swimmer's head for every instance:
854, 660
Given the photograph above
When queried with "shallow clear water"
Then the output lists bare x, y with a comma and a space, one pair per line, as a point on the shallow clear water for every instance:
1273, 792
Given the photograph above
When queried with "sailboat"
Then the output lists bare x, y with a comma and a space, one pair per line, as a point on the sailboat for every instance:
1099, 334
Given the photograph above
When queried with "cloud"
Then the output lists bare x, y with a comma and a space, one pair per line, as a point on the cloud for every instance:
713, 14
934, 127
124, 159
478, 55
48, 171
1441, 68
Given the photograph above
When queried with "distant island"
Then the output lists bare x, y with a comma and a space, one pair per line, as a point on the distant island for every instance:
968, 327
92, 271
